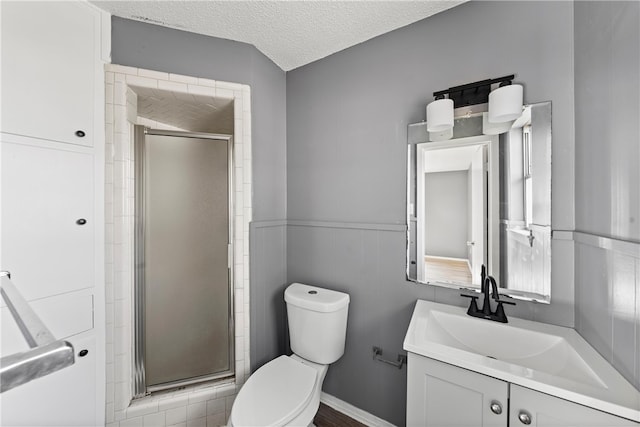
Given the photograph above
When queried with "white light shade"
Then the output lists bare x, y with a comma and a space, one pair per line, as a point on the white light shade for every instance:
441, 136
505, 104
489, 128
440, 115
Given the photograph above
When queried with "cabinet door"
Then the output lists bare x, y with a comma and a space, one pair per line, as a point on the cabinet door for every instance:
45, 194
49, 60
544, 410
441, 395
63, 398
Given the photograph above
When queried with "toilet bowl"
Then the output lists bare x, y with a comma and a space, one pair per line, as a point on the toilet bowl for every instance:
286, 391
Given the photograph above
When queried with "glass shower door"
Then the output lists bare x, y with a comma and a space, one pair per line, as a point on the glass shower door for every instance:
185, 268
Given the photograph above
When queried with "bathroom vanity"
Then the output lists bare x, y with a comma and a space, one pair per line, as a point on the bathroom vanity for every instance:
464, 371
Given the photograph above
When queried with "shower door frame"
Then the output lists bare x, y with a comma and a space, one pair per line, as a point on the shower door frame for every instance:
139, 379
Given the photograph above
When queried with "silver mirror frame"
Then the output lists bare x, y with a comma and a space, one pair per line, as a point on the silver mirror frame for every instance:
467, 123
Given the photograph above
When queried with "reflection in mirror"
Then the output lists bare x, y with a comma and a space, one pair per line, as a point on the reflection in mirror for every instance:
480, 199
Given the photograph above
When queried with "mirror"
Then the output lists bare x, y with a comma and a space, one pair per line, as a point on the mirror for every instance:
475, 199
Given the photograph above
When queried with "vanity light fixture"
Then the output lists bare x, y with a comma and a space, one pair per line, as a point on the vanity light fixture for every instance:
440, 115
489, 128
505, 103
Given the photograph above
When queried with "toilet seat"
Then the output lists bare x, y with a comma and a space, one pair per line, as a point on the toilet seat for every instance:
275, 394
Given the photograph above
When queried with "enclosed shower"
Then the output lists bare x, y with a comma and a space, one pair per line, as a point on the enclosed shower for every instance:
183, 259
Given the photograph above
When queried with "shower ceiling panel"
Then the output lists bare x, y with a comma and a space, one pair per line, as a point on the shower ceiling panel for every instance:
196, 113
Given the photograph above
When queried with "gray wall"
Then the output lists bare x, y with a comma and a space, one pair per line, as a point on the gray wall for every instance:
447, 213
347, 116
153, 47
607, 107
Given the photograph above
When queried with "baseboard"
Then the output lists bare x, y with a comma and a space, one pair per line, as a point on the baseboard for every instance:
355, 413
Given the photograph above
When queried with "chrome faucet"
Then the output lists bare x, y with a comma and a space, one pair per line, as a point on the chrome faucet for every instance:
488, 284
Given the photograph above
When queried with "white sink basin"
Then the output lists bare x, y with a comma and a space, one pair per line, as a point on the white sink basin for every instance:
543, 357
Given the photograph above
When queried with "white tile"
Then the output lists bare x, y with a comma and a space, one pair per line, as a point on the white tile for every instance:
196, 410
216, 406
119, 77
247, 195
108, 77
183, 79
173, 402
228, 85
108, 93
132, 112
120, 119
202, 90
247, 175
120, 93
154, 420
115, 68
197, 422
207, 82
132, 422
132, 97
108, 114
227, 390
142, 82
109, 413
202, 395
216, 420
224, 93
240, 345
239, 302
153, 74
176, 415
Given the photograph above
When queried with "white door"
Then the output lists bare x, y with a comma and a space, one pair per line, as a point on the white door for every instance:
478, 214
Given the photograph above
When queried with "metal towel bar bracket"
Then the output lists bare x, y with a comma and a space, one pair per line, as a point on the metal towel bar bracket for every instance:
377, 355
46, 354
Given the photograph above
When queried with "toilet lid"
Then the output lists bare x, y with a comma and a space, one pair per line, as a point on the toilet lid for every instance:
274, 394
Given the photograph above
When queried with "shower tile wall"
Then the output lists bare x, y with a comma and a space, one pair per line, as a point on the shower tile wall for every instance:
204, 405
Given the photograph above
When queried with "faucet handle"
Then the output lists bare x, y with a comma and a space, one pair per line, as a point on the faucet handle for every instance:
502, 301
473, 306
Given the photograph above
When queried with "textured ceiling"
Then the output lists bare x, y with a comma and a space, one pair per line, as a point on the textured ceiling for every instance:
290, 33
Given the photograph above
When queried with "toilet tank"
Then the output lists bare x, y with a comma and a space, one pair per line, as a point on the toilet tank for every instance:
317, 322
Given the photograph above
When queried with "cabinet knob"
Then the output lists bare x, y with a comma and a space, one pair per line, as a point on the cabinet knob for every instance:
80, 133
524, 417
83, 353
81, 221
496, 407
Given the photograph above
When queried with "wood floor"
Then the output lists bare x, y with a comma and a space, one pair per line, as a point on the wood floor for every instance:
447, 270
329, 417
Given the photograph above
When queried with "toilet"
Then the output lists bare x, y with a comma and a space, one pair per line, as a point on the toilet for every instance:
286, 391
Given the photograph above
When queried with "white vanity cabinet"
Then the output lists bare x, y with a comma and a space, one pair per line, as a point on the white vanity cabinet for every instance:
543, 410
50, 60
441, 395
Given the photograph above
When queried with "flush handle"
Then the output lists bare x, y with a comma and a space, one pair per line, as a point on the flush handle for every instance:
496, 407
524, 417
